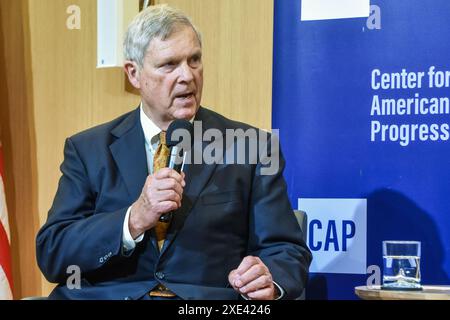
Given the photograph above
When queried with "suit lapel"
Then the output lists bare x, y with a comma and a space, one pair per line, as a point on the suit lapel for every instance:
197, 177
128, 152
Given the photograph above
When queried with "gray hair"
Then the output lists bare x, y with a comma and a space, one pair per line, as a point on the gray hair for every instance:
157, 21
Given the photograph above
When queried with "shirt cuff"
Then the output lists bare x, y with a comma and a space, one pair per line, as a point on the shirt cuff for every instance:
128, 243
280, 291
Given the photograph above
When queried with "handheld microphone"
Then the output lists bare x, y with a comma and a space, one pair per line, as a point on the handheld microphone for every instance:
179, 139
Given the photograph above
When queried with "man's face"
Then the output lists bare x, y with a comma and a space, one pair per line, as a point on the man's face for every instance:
171, 79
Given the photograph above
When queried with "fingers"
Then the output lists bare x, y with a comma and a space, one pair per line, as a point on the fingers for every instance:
260, 282
169, 184
253, 278
168, 195
166, 173
264, 294
162, 193
232, 278
167, 206
165, 185
247, 263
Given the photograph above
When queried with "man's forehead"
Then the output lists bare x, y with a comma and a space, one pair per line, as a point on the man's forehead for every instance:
178, 33
179, 40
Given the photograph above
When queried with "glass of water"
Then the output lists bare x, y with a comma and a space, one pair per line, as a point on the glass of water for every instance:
401, 265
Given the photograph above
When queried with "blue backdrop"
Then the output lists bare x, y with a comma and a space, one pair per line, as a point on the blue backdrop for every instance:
338, 141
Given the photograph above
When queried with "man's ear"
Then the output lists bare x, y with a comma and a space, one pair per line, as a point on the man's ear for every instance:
132, 70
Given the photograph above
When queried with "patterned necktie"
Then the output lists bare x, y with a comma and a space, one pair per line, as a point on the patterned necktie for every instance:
160, 161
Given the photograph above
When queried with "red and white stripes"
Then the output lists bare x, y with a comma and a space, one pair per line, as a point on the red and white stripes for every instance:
5, 241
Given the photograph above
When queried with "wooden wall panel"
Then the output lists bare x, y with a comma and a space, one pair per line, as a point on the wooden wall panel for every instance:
70, 93
17, 136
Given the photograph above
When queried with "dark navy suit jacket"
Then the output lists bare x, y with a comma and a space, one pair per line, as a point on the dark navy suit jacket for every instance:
228, 211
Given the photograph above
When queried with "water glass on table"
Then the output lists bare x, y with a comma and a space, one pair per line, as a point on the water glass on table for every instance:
401, 265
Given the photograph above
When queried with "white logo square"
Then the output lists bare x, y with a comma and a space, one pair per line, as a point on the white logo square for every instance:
337, 234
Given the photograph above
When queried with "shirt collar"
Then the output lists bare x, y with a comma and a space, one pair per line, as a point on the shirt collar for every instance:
151, 130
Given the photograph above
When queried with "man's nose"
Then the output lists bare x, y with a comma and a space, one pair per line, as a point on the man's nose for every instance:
186, 74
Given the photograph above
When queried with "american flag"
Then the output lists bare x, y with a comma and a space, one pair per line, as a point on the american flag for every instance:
5, 241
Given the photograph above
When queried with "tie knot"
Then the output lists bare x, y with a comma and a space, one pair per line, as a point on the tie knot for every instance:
162, 137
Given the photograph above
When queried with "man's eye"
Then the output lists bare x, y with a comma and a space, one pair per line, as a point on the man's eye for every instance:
168, 65
196, 60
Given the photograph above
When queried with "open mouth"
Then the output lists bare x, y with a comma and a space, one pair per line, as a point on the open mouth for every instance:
186, 95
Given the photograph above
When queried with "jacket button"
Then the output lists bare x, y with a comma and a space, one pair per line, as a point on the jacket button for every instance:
160, 275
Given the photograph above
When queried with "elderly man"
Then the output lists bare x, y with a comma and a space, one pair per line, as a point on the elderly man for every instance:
232, 233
